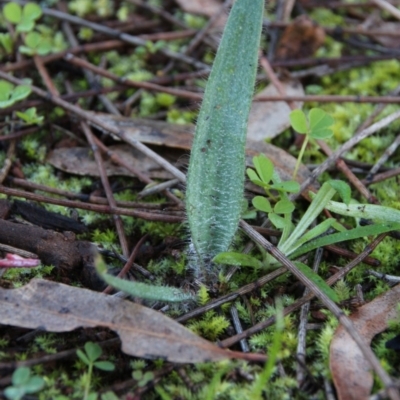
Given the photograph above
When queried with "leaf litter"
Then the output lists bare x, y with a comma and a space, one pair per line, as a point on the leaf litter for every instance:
54, 306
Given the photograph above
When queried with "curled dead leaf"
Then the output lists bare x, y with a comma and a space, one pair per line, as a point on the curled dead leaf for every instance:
146, 333
350, 370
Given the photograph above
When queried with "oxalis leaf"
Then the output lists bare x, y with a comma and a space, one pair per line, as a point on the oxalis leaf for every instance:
215, 180
310, 274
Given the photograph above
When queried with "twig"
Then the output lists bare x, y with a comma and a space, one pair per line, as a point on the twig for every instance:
302, 331
331, 99
385, 277
83, 197
107, 187
128, 263
154, 216
238, 327
388, 152
136, 84
383, 176
232, 296
211, 22
388, 7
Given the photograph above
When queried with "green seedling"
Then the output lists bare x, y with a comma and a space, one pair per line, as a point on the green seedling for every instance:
23, 383
23, 17
316, 127
6, 42
266, 177
142, 378
215, 180
36, 43
10, 94
30, 116
298, 240
90, 356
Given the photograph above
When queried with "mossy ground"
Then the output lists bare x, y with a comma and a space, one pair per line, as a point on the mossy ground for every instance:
66, 379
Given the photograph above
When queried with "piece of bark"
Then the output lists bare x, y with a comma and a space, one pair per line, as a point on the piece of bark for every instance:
47, 219
70, 256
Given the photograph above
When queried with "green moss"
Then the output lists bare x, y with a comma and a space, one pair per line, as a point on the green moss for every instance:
21, 276
210, 326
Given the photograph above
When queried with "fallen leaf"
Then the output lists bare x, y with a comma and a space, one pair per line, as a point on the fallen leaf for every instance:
80, 161
268, 119
300, 39
392, 42
350, 370
179, 137
146, 333
201, 7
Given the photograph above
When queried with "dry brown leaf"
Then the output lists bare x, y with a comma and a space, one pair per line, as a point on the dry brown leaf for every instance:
146, 333
80, 161
201, 7
179, 137
300, 39
351, 372
268, 119
392, 42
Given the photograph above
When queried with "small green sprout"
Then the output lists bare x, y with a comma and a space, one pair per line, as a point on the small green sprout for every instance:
36, 43
315, 127
265, 176
10, 94
23, 17
6, 42
89, 357
142, 378
23, 382
30, 116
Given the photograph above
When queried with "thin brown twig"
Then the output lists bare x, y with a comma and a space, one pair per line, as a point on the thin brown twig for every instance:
129, 82
340, 30
149, 216
331, 98
201, 34
128, 263
85, 197
107, 187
